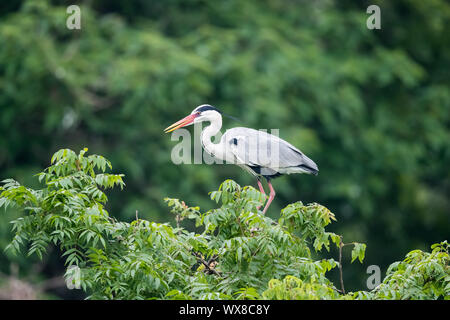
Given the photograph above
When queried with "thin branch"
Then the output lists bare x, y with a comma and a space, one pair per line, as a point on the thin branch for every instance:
207, 264
341, 244
240, 226
77, 163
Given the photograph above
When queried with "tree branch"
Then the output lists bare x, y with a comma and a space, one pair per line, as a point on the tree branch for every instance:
207, 264
341, 244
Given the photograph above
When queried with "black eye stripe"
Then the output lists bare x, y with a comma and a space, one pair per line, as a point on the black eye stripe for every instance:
206, 108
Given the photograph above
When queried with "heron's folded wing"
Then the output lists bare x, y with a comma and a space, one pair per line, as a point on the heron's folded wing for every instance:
259, 148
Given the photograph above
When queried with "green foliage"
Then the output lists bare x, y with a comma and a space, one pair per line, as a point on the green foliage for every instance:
292, 288
371, 107
421, 275
359, 251
237, 253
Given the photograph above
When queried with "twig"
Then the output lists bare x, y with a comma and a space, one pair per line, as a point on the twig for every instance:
77, 163
213, 259
179, 217
177, 220
206, 263
240, 226
341, 244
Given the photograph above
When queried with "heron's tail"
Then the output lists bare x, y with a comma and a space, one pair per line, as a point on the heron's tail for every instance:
310, 170
309, 166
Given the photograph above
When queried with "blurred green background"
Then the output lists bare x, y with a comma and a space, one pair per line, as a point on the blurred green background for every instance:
371, 107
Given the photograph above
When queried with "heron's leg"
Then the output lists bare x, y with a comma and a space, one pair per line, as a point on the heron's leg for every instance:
271, 196
260, 189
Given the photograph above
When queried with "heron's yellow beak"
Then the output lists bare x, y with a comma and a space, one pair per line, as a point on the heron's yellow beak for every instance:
183, 122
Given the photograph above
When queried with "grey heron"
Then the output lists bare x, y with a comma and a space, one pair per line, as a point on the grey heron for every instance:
258, 152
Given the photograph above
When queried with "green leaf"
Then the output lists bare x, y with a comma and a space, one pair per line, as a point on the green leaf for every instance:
358, 251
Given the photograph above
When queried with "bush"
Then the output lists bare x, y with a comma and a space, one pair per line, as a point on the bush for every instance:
238, 253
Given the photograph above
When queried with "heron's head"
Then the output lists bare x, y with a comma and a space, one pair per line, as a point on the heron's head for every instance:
204, 112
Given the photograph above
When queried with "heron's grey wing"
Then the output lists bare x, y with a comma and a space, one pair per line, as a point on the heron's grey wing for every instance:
244, 155
259, 148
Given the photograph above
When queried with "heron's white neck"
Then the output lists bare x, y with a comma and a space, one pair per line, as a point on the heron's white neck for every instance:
209, 132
